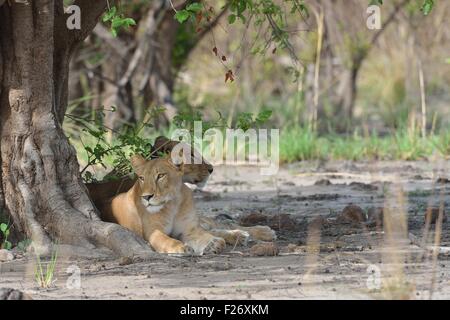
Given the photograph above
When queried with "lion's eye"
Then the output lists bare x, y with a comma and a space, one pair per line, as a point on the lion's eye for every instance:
141, 178
160, 176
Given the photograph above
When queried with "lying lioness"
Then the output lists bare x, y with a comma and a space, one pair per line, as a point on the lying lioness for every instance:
160, 208
197, 172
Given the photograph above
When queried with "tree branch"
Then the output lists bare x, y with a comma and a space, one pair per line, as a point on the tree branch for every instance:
91, 11
288, 46
388, 21
149, 26
118, 45
359, 58
207, 29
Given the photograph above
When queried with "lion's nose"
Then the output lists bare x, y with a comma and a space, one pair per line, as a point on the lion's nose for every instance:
147, 197
210, 169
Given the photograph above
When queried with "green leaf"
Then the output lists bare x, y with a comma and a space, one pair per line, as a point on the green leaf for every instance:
427, 6
241, 16
119, 22
448, 60
3, 227
110, 14
263, 116
231, 18
304, 9
116, 23
244, 121
7, 245
241, 7
129, 22
182, 15
195, 7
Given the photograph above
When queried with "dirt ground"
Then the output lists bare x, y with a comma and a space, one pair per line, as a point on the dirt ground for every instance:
330, 257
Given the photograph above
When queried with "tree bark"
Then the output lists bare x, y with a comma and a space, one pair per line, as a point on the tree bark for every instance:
2, 197
42, 186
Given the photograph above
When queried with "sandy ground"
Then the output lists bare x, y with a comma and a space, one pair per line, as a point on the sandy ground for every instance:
329, 260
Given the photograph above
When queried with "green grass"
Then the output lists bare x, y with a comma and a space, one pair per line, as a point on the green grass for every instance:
298, 144
44, 272
301, 144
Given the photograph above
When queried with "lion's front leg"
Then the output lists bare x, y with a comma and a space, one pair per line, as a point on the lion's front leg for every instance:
162, 243
187, 228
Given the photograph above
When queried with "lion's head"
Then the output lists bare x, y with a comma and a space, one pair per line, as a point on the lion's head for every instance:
196, 171
159, 181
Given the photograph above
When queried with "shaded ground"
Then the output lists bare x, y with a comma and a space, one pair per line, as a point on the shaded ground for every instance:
318, 258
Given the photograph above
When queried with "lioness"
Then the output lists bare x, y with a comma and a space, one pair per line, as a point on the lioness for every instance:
159, 207
197, 172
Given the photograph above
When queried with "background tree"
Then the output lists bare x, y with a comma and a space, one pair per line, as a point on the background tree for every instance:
347, 42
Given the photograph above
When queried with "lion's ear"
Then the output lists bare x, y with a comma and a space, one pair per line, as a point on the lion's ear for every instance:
159, 146
175, 158
161, 140
137, 161
162, 145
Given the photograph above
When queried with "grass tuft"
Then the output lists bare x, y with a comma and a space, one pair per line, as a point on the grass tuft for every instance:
44, 272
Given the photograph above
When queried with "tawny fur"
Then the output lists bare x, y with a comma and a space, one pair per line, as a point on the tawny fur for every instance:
167, 220
229, 229
196, 172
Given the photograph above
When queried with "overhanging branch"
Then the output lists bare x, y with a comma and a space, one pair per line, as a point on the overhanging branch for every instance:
389, 19
91, 12
207, 29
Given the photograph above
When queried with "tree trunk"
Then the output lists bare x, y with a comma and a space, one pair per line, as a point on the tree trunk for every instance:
344, 60
2, 200
346, 95
42, 186
161, 79
114, 95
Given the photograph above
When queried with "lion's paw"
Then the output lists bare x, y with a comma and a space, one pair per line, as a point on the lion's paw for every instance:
262, 233
188, 249
215, 245
237, 237
182, 250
